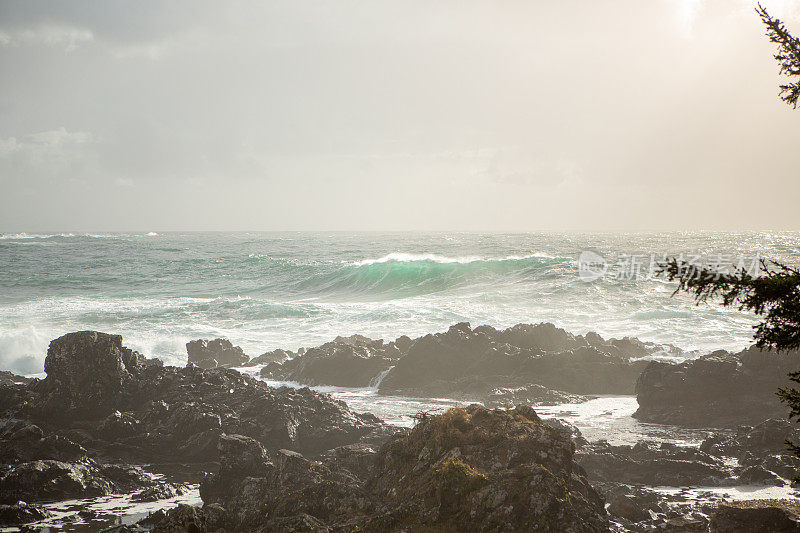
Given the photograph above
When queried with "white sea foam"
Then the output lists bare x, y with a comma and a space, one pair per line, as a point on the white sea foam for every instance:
402, 257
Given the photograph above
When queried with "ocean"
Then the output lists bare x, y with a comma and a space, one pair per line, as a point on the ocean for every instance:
286, 290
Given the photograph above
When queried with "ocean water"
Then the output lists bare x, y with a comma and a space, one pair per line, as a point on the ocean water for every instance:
286, 290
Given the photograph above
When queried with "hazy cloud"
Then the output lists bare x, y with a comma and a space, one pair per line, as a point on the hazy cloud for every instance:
353, 115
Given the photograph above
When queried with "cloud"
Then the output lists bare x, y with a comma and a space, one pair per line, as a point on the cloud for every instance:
67, 37
46, 155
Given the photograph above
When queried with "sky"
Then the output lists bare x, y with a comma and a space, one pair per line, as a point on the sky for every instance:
619, 115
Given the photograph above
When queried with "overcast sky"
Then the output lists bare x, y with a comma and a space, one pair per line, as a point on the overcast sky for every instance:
580, 116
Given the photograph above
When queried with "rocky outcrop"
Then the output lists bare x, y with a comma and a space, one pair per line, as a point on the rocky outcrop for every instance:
9, 378
469, 364
20, 513
146, 412
87, 371
48, 480
102, 404
275, 356
490, 470
517, 357
468, 469
218, 352
345, 362
717, 390
764, 516
651, 464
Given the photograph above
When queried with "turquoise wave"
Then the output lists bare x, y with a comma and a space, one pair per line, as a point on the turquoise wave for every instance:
411, 277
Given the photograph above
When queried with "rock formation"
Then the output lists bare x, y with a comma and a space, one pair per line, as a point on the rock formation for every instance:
102, 404
482, 364
717, 390
468, 469
218, 352
345, 362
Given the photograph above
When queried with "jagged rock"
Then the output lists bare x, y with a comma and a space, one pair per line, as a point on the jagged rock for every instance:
625, 507
568, 430
345, 362
156, 413
468, 469
766, 516
758, 475
530, 395
488, 470
118, 425
155, 493
20, 513
47, 480
685, 524
518, 356
768, 437
285, 491
649, 464
9, 378
717, 390
87, 372
218, 352
183, 518
356, 458
275, 356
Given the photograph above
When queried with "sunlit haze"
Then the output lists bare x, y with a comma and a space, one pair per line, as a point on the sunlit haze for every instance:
573, 116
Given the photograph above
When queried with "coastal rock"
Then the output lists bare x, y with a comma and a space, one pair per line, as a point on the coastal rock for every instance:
475, 468
468, 469
20, 513
87, 372
345, 362
651, 464
9, 378
717, 390
767, 437
766, 516
275, 356
529, 395
48, 480
218, 352
525, 354
625, 507
144, 412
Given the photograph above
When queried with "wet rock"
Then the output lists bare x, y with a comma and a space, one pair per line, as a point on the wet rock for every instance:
144, 412
625, 507
183, 518
275, 356
490, 470
530, 395
685, 524
768, 516
767, 437
717, 390
345, 362
568, 430
87, 373
468, 469
157, 492
650, 464
9, 378
118, 425
20, 513
217, 352
516, 357
47, 480
758, 475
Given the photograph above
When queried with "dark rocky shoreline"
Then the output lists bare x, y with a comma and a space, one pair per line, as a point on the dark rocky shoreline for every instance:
291, 459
